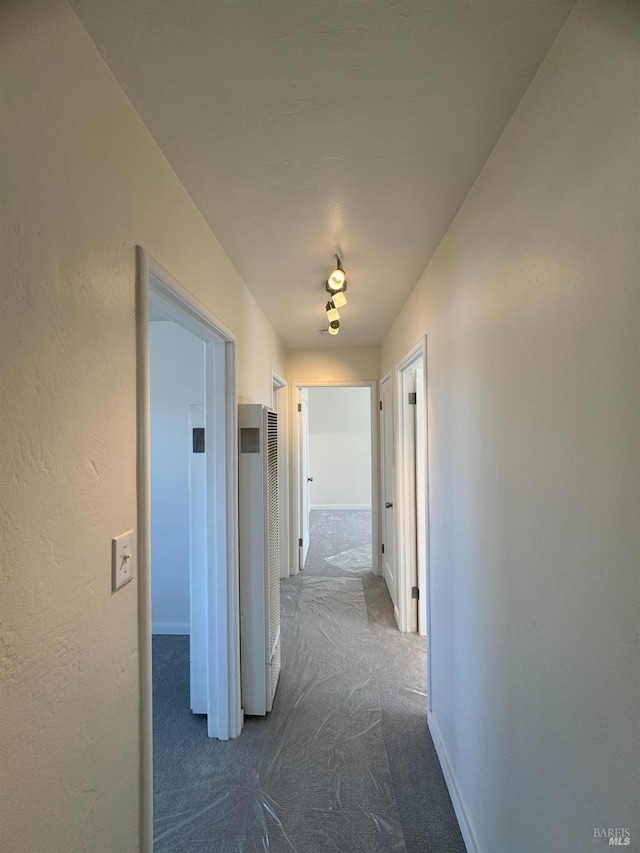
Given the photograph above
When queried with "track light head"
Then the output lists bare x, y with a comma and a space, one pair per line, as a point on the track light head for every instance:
332, 311
337, 281
339, 299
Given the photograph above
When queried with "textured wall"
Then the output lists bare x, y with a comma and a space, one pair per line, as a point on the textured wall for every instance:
532, 310
81, 183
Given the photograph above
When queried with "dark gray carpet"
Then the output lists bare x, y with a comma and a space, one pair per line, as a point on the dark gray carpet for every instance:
344, 762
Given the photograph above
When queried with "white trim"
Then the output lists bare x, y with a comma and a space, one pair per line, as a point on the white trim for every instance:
405, 495
305, 479
236, 714
277, 382
197, 562
295, 486
421, 540
193, 314
382, 492
411, 359
466, 828
342, 507
403, 520
170, 628
156, 285
427, 501
416, 354
143, 494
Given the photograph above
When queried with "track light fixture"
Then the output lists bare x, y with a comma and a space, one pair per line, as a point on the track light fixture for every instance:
335, 285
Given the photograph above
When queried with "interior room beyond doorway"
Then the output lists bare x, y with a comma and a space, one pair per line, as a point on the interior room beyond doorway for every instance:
339, 479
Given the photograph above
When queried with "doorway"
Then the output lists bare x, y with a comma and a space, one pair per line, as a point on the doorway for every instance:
387, 494
335, 474
178, 498
213, 610
412, 524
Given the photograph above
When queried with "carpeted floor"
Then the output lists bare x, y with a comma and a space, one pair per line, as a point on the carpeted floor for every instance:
344, 763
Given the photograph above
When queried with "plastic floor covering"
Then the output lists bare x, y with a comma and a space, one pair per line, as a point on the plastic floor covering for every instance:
343, 763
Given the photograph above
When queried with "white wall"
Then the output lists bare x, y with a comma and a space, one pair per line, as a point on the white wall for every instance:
532, 310
340, 447
177, 382
81, 183
333, 364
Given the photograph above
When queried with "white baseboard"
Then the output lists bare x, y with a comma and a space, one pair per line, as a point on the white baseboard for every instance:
170, 628
342, 507
454, 792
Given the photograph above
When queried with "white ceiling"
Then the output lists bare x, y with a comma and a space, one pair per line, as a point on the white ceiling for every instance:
306, 127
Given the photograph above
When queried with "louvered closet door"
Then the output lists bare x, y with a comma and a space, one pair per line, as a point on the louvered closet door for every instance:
273, 567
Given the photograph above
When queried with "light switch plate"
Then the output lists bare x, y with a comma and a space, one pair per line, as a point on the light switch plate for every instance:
121, 560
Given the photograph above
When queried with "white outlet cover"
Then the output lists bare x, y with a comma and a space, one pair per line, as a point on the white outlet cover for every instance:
122, 560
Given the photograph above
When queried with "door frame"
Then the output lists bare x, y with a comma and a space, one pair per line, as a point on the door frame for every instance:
197, 544
405, 491
304, 491
153, 282
296, 467
382, 510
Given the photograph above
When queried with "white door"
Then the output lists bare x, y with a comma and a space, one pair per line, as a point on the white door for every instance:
197, 560
305, 479
421, 499
387, 469
409, 401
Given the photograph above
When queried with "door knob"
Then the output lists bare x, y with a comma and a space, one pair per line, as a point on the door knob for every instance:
389, 505
309, 479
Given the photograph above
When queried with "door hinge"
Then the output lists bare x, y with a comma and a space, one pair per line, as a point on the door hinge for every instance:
299, 407
380, 405
300, 543
198, 439
415, 592
413, 398
383, 547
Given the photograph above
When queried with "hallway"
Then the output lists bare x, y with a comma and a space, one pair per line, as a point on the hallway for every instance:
344, 762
